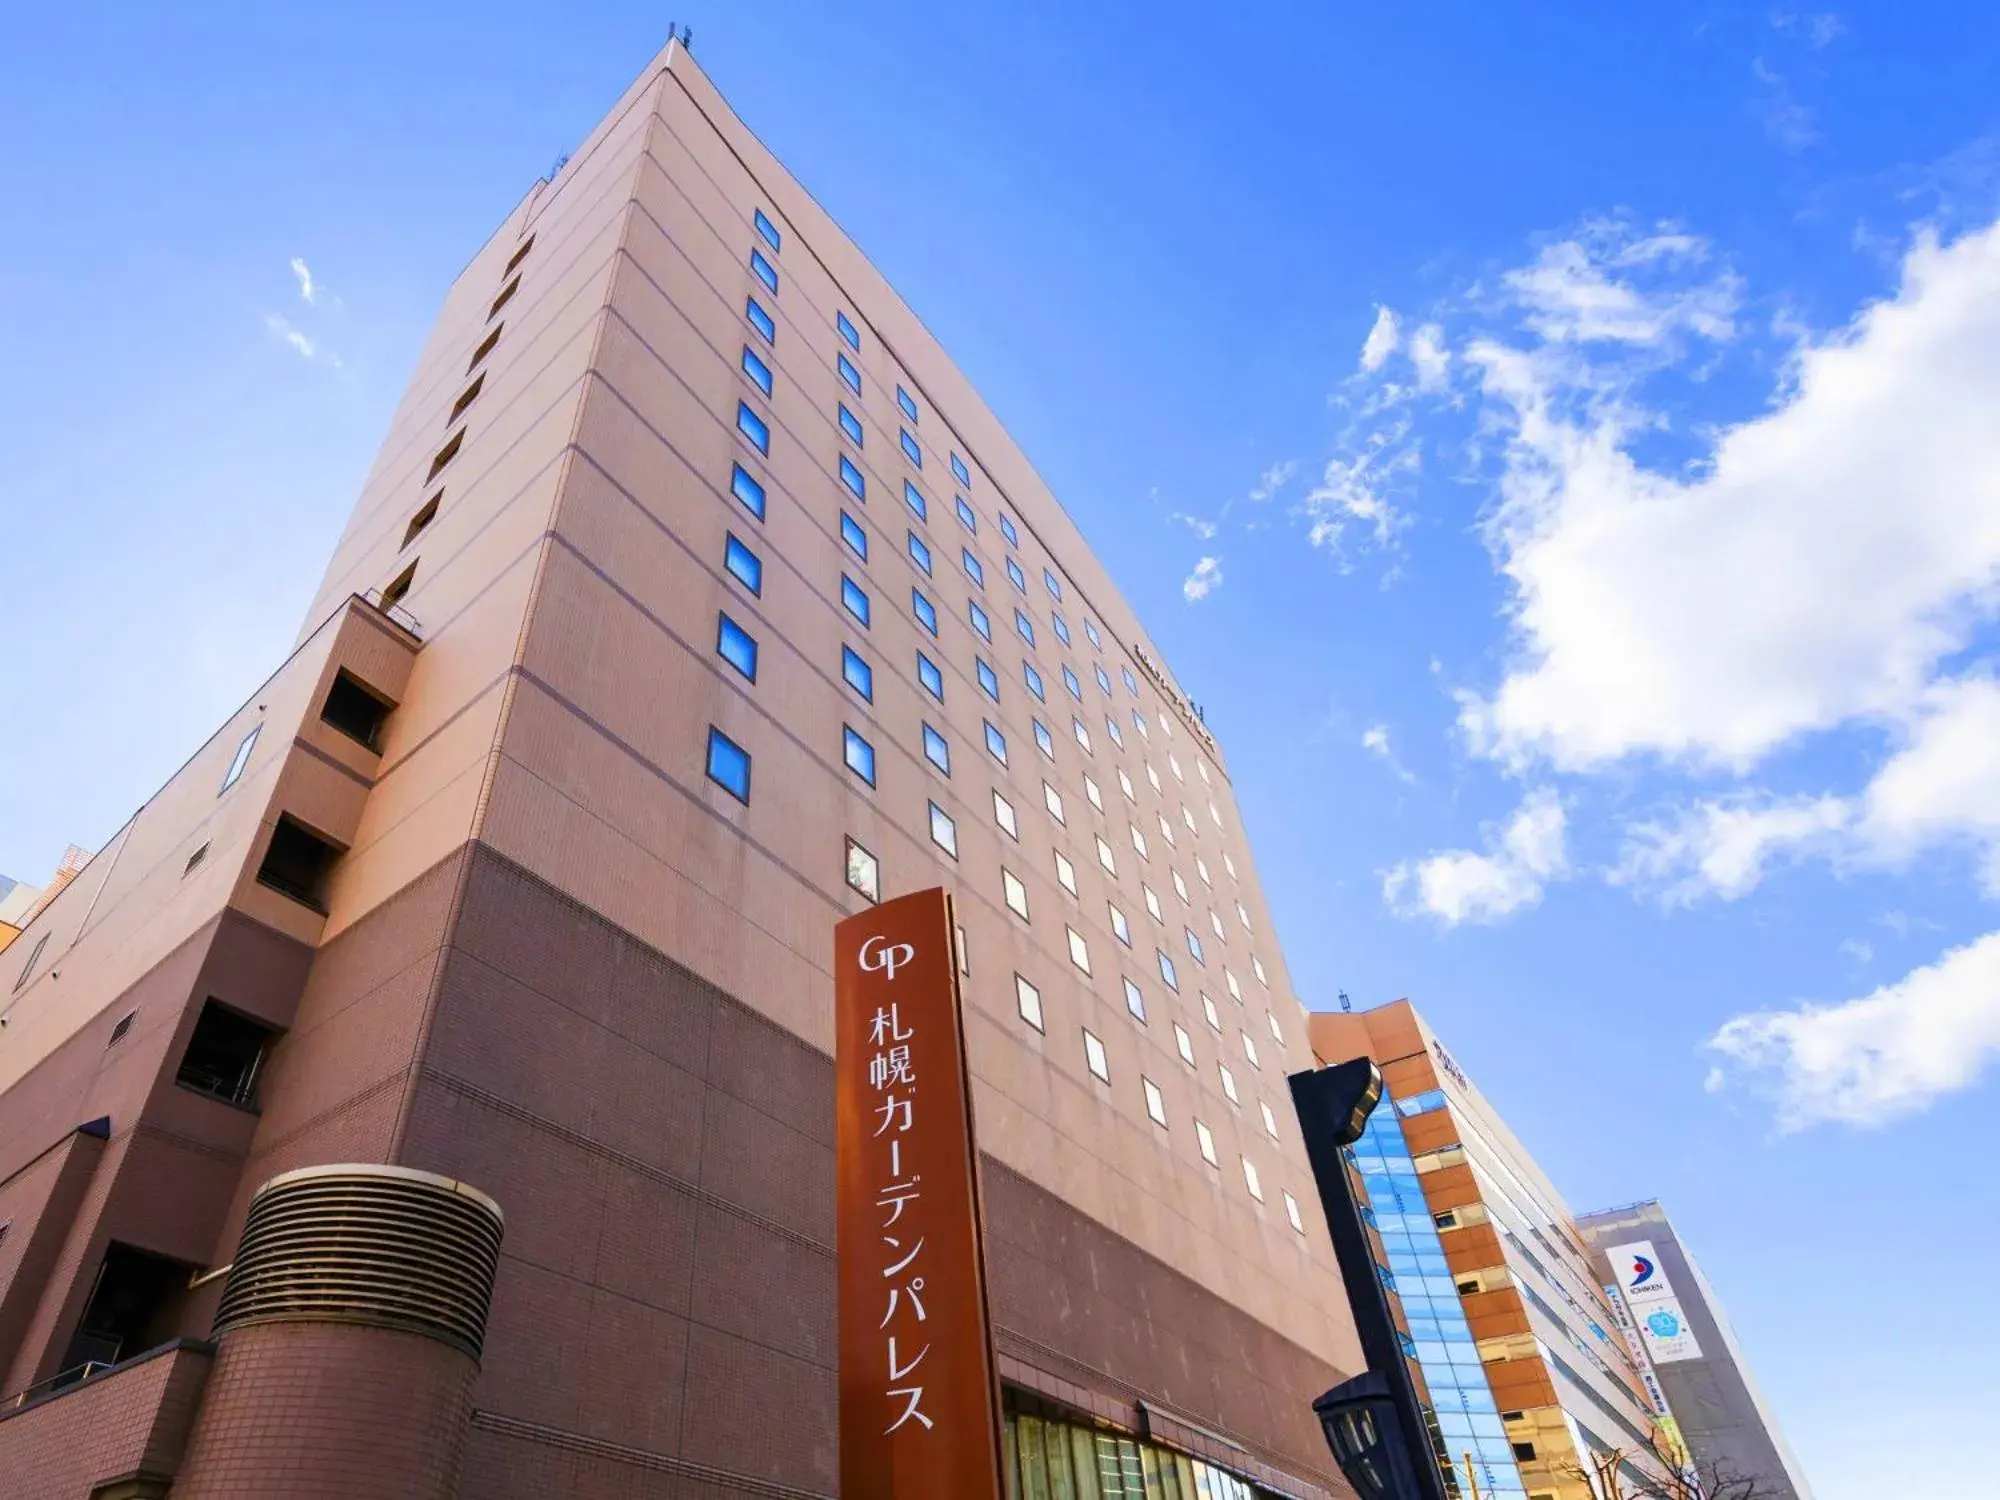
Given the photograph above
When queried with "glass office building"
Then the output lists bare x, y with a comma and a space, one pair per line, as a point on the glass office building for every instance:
1468, 1417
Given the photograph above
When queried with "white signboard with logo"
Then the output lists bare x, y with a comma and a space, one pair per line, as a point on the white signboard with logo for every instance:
1655, 1308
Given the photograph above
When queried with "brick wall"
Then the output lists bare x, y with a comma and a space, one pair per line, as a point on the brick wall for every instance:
131, 1422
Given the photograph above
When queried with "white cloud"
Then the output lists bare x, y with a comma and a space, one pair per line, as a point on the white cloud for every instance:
1431, 358
1786, 121
1572, 293
1203, 530
1859, 949
1203, 581
305, 279
1721, 847
1381, 342
1816, 571
1462, 885
306, 348
1887, 1054
1353, 492
1944, 783
1272, 480
1819, 31
1375, 740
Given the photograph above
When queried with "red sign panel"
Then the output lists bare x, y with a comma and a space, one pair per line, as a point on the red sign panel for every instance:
919, 1407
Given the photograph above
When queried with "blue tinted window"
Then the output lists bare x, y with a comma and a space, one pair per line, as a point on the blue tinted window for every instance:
1103, 678
959, 471
1049, 583
847, 331
1014, 573
753, 427
766, 272
1075, 687
859, 755
1167, 973
979, 621
996, 742
1034, 681
767, 229
860, 676
851, 425
936, 751
760, 320
1042, 740
747, 490
989, 680
910, 449
1061, 625
1090, 630
929, 675
728, 765
965, 516
1024, 627
1117, 735
973, 569
1131, 682
852, 534
848, 374
735, 645
924, 610
909, 407
854, 598
914, 498
1007, 530
745, 564
757, 370
853, 478
920, 554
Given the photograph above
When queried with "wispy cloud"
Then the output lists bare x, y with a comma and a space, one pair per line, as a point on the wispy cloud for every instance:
1818, 31
1203, 581
1465, 885
304, 274
306, 348
1383, 337
1786, 121
1375, 740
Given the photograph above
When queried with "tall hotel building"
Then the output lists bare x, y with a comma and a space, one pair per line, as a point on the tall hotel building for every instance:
694, 602
1534, 1387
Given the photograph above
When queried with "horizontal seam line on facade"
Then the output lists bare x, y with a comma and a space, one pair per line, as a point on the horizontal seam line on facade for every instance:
576, 1442
300, 742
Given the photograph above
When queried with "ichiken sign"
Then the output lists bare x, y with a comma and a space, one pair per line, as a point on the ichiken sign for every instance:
919, 1402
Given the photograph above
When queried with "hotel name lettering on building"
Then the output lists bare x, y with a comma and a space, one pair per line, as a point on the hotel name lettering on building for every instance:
1157, 674
919, 1414
1449, 1068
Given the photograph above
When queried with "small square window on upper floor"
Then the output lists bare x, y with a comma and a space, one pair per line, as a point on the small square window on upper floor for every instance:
1034, 680
853, 478
966, 517
1135, 1000
906, 404
736, 646
744, 565
996, 742
1043, 742
854, 669
748, 492
753, 427
980, 620
1103, 678
765, 271
859, 754
929, 675
937, 749
755, 368
854, 598
959, 471
766, 229
760, 320
911, 451
851, 425
1016, 576
864, 872
973, 568
1094, 1056
1061, 626
728, 765
852, 534
1131, 683
1049, 582
848, 332
1007, 530
1071, 682
240, 759
850, 377
989, 681
1028, 1000
1090, 633
944, 831
920, 553
924, 610
914, 498
1003, 814
1024, 627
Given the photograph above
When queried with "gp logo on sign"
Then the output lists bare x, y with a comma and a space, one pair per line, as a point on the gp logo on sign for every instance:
886, 957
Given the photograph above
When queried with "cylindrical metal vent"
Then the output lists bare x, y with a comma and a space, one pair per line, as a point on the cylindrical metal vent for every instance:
376, 1245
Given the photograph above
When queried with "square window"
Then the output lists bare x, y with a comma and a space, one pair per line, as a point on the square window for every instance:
729, 765
1082, 734
1018, 578
1049, 583
854, 598
1071, 683
1257, 968
920, 555
1235, 989
989, 681
1187, 821
1024, 627
996, 742
1007, 530
760, 320
1096, 797
910, 449
972, 567
1135, 1002
959, 471
1153, 776
1139, 723
1103, 678
1139, 842
1156, 1104
757, 370
1079, 954
1152, 902
1120, 928
1061, 627
1167, 974
864, 871
1028, 1000
745, 566
736, 646
944, 832
924, 610
1276, 1035
1201, 869
1243, 916
1184, 1044
1034, 681
852, 477
1104, 857
1229, 865
1214, 922
1166, 832
852, 534
1090, 630
748, 492
765, 271
1250, 1050
904, 404
1174, 765
1202, 767
1125, 786
1194, 945
1292, 1213
914, 498
1015, 893
849, 376
1206, 1141
1131, 684
1270, 1119
1250, 1180
859, 755
1111, 728
1065, 873
1003, 814
929, 675
937, 750
753, 427
859, 675
1228, 1082
848, 332
766, 228
966, 518
1043, 742
851, 425
1094, 1058
1214, 816
979, 620
1210, 1014
236, 762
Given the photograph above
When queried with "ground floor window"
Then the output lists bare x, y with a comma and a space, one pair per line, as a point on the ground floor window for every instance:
1053, 1460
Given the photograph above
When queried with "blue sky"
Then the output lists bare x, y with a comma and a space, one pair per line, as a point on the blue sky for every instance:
1588, 416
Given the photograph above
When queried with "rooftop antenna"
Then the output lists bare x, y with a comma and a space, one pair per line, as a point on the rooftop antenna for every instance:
1345, 1003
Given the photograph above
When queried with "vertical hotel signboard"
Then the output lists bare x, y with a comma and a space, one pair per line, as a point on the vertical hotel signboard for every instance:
919, 1407
1655, 1308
